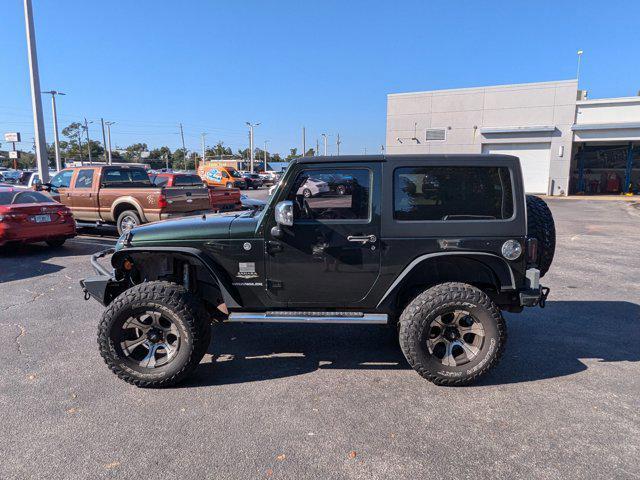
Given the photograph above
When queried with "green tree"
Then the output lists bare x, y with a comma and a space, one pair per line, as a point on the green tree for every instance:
134, 152
293, 153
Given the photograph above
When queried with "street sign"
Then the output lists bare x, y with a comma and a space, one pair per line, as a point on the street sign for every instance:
14, 154
12, 137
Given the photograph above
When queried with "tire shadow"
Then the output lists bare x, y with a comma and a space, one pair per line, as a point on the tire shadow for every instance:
542, 344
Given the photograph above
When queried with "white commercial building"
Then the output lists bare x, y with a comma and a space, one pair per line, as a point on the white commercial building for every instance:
566, 143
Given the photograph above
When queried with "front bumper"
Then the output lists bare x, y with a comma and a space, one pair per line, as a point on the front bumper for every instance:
103, 287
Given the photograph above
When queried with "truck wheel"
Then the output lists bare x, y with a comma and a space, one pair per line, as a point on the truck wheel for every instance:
154, 334
56, 242
452, 333
229, 185
541, 226
127, 220
306, 193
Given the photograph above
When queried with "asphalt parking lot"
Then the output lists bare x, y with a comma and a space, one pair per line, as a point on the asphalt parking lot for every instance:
332, 402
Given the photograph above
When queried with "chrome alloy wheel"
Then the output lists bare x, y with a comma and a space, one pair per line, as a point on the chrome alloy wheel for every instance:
455, 338
128, 223
150, 339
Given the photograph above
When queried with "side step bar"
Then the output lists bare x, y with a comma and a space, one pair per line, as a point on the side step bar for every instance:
310, 317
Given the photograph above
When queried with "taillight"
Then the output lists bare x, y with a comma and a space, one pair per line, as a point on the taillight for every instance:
532, 250
162, 201
13, 217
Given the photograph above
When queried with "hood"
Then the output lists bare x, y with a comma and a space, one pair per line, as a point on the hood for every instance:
197, 227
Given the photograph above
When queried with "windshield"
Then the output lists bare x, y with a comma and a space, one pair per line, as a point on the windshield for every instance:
13, 197
233, 172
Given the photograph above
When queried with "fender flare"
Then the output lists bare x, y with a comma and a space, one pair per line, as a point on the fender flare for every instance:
216, 272
497, 264
132, 201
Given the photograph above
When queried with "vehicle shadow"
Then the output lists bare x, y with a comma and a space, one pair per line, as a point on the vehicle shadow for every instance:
19, 262
543, 343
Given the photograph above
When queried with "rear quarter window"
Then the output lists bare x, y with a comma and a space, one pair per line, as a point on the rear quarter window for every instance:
435, 193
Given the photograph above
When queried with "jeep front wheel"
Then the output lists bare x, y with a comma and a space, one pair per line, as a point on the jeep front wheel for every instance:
154, 334
452, 333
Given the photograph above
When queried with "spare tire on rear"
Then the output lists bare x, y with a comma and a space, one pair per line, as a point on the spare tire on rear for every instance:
540, 225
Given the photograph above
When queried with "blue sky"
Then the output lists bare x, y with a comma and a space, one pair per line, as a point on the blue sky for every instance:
328, 65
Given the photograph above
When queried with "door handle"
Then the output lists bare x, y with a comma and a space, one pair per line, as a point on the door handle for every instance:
362, 238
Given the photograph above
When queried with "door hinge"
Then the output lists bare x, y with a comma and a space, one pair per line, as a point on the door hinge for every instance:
274, 284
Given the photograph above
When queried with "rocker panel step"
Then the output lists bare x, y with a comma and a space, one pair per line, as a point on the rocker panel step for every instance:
309, 317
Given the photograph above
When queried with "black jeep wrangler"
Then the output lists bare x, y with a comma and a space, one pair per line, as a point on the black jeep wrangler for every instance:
433, 245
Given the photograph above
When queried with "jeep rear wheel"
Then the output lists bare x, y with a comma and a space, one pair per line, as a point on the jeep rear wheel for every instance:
541, 226
452, 333
154, 334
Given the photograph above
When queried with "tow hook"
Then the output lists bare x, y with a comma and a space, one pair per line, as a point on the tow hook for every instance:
87, 295
544, 293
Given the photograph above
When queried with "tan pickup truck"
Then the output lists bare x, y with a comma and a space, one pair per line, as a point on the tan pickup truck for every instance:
123, 195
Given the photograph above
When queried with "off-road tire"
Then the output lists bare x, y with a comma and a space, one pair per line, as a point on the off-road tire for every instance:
186, 311
127, 213
415, 322
540, 225
306, 193
56, 242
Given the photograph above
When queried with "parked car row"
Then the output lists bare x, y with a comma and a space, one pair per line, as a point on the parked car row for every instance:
125, 196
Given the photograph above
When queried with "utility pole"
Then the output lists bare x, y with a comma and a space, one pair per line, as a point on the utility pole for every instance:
251, 125
86, 129
184, 149
264, 167
324, 137
338, 142
109, 139
56, 140
203, 149
42, 159
104, 142
304, 142
317, 147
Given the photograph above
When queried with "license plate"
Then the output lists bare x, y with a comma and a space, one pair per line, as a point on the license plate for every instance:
42, 218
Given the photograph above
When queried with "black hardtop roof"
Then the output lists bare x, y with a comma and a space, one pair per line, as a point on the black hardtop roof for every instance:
457, 158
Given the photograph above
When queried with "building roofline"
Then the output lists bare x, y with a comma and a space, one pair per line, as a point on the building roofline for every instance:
596, 101
490, 87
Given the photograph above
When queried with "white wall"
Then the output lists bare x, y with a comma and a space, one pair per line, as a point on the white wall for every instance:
464, 112
605, 111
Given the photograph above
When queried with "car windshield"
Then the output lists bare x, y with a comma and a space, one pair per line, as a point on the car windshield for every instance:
15, 197
234, 173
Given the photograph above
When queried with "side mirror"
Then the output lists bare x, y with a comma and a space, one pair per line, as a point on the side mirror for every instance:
284, 213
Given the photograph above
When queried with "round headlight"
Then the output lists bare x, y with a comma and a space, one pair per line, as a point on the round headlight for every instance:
511, 249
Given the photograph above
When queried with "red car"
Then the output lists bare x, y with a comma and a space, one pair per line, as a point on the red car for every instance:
27, 216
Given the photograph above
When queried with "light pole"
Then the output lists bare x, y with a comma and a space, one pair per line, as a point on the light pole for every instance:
108, 124
86, 129
264, 167
203, 149
184, 149
251, 125
56, 140
338, 142
304, 141
578, 70
324, 138
42, 158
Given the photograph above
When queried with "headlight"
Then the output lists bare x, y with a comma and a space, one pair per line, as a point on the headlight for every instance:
511, 249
